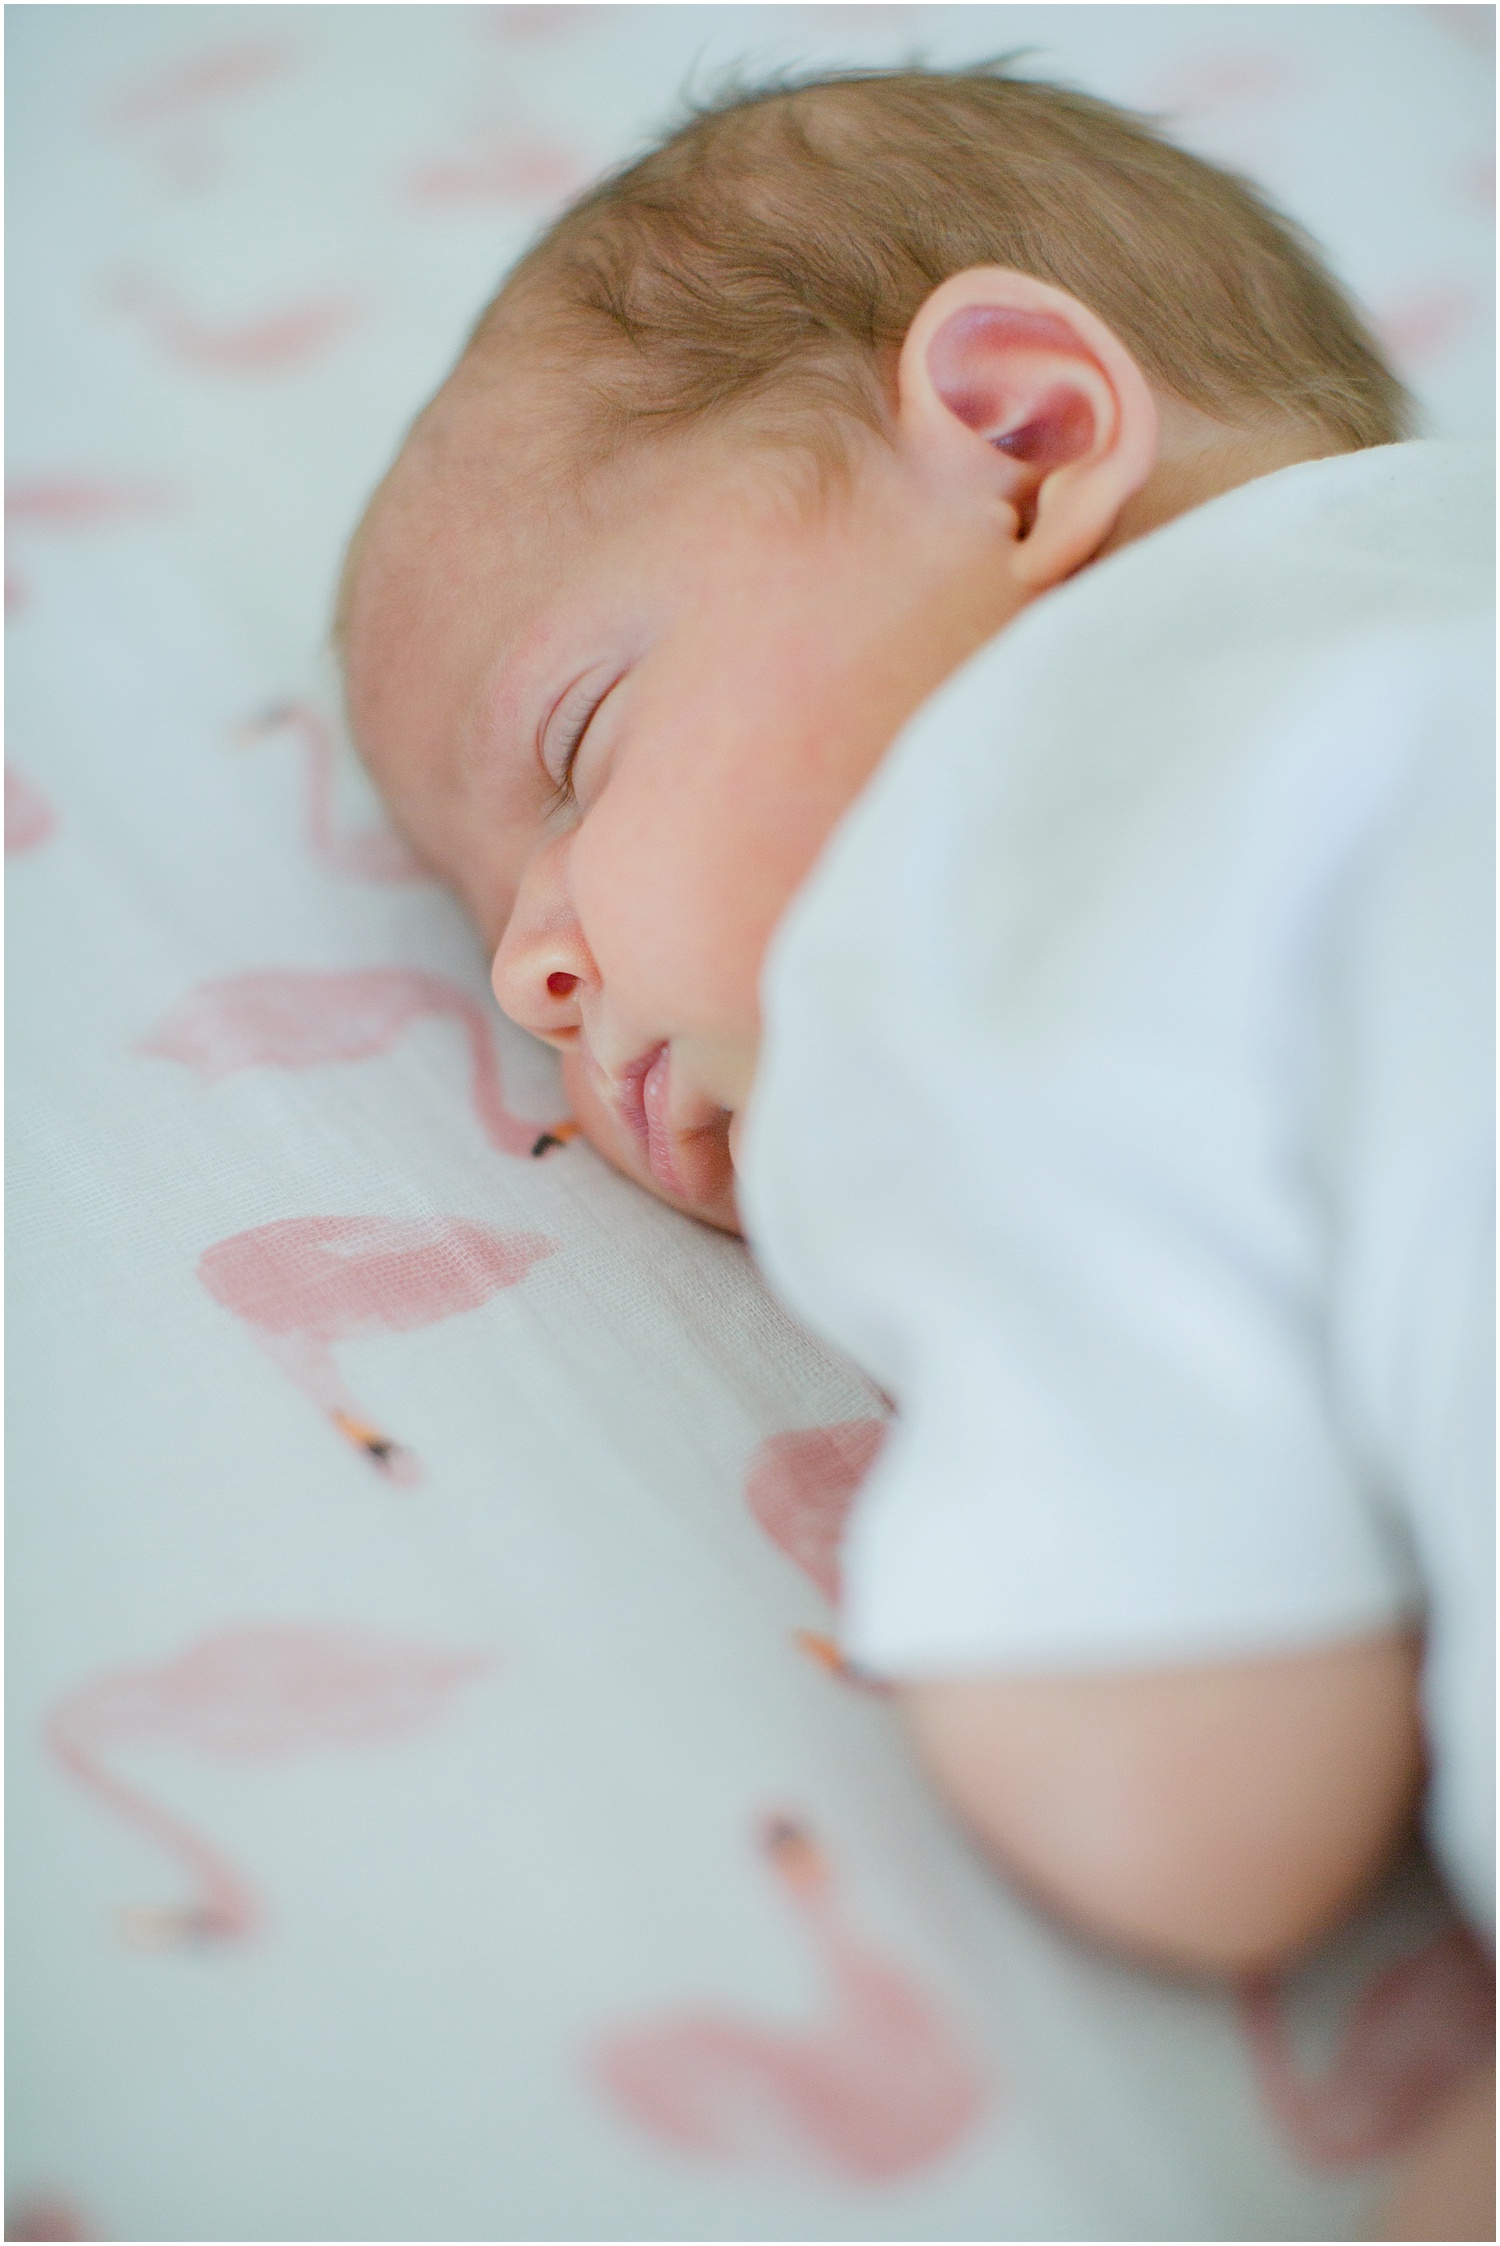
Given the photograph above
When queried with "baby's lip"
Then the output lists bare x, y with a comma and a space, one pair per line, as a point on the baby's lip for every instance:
641, 1093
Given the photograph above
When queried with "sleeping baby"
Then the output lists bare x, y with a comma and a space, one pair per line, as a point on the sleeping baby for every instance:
915, 631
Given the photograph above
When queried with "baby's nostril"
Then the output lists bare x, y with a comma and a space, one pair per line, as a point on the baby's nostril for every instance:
561, 985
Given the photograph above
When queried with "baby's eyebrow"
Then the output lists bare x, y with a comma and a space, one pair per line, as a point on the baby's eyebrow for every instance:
497, 715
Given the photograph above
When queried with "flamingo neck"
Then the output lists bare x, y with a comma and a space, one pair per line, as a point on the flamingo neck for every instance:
1307, 2105
501, 1128
226, 1903
843, 1959
318, 766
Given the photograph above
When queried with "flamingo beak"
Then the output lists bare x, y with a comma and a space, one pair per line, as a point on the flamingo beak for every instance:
256, 728
794, 1854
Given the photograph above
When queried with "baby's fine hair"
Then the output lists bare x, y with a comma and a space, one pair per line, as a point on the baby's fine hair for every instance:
772, 252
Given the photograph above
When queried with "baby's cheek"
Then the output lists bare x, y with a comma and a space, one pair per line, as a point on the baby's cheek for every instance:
679, 900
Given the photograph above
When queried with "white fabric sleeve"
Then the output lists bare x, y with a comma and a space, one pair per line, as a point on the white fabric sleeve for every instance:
1084, 1245
1407, 1125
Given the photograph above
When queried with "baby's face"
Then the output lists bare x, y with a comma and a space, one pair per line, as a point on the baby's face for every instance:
622, 720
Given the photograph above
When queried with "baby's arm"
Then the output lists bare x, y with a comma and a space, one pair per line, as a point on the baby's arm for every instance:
1216, 1818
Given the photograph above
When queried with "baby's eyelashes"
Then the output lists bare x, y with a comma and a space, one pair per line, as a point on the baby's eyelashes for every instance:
568, 730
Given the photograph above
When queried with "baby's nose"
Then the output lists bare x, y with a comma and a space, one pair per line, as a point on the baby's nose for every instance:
539, 985
543, 970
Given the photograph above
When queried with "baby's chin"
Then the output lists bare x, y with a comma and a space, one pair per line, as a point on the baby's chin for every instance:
704, 1159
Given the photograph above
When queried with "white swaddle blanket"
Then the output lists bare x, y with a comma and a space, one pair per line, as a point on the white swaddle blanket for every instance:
1126, 1109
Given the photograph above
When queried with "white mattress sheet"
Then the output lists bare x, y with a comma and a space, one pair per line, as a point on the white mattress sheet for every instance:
432, 1811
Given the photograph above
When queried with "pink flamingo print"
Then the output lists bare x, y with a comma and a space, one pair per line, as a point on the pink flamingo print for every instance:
81, 502
800, 1487
47, 2218
72, 503
284, 1018
29, 817
287, 338
520, 170
306, 1282
376, 854
187, 86
1418, 2029
879, 2087
1424, 326
1225, 81
247, 1694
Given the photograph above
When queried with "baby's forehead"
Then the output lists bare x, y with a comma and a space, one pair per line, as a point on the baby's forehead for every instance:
408, 583
425, 532
440, 574
493, 507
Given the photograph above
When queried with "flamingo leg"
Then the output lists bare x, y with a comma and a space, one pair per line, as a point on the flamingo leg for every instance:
307, 1359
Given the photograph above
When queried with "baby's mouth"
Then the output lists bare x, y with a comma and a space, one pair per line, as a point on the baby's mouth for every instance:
641, 1094
688, 1164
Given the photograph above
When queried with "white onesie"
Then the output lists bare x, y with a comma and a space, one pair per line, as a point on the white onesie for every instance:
1126, 1111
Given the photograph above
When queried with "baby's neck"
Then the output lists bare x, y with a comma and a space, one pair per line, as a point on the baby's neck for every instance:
1199, 459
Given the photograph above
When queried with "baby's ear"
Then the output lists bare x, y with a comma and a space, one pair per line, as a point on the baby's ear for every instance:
1013, 394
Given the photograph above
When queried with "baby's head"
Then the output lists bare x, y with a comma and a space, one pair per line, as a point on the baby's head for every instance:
767, 435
